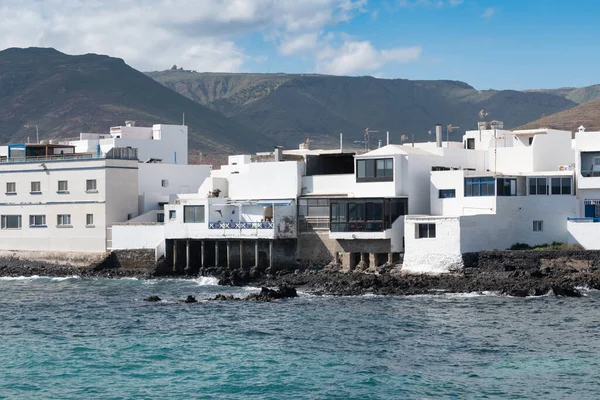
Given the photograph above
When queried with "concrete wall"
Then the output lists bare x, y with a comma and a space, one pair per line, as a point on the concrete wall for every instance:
178, 179
137, 236
584, 233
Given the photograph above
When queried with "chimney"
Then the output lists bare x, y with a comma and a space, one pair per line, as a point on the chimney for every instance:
438, 135
278, 153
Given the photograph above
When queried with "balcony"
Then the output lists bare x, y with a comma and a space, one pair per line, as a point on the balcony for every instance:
240, 225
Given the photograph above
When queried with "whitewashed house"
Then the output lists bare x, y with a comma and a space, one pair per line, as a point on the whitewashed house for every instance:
66, 196
524, 193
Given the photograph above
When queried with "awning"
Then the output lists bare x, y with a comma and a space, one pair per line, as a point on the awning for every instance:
275, 203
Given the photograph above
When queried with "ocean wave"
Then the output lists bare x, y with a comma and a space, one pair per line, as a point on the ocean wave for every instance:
37, 277
207, 281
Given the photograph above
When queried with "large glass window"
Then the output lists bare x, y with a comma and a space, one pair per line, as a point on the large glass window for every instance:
480, 186
506, 186
313, 214
63, 220
375, 170
193, 214
538, 186
365, 215
560, 185
11, 221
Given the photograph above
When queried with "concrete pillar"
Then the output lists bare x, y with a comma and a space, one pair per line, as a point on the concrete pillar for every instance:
241, 254
270, 253
390, 258
175, 255
187, 255
373, 261
256, 253
216, 253
202, 254
363, 257
228, 252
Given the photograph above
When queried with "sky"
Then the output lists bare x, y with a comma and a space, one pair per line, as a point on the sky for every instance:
499, 44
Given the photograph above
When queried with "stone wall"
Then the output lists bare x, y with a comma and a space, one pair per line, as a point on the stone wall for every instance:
511, 260
141, 261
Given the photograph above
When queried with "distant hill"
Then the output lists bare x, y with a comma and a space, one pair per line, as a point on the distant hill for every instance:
289, 108
65, 95
587, 114
578, 95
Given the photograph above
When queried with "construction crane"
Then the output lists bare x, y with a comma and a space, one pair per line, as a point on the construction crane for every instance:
368, 138
450, 128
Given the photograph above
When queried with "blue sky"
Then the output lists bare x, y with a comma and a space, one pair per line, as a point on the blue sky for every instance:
500, 44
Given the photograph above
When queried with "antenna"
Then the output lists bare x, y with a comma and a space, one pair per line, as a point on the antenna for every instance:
183, 119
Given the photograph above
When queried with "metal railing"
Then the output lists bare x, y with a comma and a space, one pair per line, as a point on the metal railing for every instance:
585, 219
240, 225
56, 157
359, 226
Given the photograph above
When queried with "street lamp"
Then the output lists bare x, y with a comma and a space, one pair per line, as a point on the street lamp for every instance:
37, 133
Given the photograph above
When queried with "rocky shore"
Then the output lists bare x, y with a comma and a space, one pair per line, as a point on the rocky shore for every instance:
514, 273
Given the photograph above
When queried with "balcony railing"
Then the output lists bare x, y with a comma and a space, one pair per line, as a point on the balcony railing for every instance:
240, 225
359, 226
586, 219
56, 157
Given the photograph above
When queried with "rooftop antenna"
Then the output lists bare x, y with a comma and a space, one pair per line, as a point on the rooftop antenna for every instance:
450, 128
368, 138
183, 119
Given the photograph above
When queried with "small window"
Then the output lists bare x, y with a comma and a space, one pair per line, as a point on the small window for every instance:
538, 186
89, 219
37, 220
63, 186
160, 217
11, 222
193, 214
11, 187
471, 144
447, 193
164, 183
425, 231
129, 216
90, 185
172, 214
375, 170
36, 187
565, 185
538, 226
63, 220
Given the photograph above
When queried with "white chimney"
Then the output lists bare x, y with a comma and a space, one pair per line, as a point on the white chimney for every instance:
438, 135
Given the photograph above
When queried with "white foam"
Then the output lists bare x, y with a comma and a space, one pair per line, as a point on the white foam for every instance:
35, 277
207, 281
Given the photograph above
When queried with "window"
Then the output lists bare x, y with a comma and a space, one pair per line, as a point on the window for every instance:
531, 140
482, 186
11, 188
36, 187
538, 226
37, 220
172, 214
63, 220
89, 219
447, 193
193, 214
63, 186
425, 231
313, 214
11, 222
538, 186
160, 217
90, 185
506, 186
471, 144
375, 170
164, 183
365, 215
561, 185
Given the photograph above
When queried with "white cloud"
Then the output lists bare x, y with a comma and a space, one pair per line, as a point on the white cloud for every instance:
428, 3
153, 34
299, 43
354, 57
488, 13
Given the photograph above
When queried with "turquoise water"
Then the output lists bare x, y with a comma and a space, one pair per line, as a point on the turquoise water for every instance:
84, 339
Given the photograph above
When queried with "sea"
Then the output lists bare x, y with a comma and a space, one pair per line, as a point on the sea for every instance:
74, 338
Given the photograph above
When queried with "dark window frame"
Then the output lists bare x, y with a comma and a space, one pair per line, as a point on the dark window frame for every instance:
198, 214
447, 193
365, 214
483, 186
425, 230
367, 170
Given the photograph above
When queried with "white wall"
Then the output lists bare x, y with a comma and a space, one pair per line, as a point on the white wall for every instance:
584, 233
178, 178
137, 236
460, 205
328, 184
269, 180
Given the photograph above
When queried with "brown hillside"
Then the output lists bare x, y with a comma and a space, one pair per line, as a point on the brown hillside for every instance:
587, 114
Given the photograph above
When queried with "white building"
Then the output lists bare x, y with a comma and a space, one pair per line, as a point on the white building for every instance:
66, 196
524, 193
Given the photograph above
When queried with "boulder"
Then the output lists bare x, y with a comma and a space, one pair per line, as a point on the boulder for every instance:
152, 298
